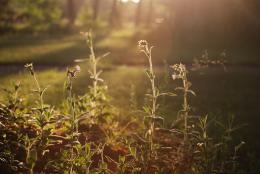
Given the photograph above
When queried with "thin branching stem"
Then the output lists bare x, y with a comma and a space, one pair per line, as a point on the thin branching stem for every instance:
180, 72
94, 65
39, 90
185, 106
71, 101
154, 97
144, 47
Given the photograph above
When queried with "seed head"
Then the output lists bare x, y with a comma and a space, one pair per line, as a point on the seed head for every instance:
143, 45
30, 68
180, 71
71, 73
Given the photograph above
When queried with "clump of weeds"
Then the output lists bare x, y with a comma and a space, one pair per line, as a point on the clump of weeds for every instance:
87, 136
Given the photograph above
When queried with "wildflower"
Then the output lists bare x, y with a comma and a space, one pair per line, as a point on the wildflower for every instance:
180, 71
29, 67
143, 45
72, 73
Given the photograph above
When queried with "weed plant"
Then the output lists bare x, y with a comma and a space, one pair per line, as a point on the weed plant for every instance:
86, 136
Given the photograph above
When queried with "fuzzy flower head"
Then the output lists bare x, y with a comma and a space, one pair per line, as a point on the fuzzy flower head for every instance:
87, 36
180, 71
30, 68
71, 73
143, 45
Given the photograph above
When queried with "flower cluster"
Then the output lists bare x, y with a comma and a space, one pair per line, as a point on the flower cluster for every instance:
143, 45
30, 68
180, 71
73, 72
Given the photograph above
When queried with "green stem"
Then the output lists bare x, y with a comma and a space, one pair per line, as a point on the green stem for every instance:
93, 62
185, 108
154, 98
94, 67
39, 91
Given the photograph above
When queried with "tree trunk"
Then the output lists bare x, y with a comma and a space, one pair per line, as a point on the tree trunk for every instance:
138, 13
96, 4
150, 13
71, 11
114, 16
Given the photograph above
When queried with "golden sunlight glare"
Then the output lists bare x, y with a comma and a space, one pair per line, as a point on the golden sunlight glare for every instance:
134, 1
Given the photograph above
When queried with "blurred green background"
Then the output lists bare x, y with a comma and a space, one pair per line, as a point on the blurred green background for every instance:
46, 32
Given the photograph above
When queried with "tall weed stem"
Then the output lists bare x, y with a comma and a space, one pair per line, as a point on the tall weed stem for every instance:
180, 72
144, 47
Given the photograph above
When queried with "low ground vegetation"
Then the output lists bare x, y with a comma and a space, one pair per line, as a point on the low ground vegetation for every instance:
87, 134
